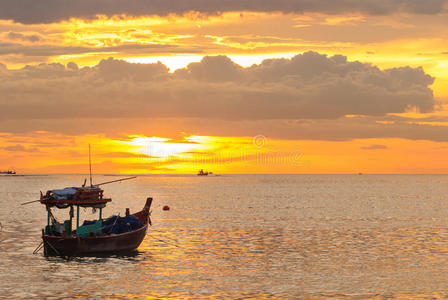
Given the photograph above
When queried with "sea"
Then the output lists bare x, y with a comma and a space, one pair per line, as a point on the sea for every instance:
241, 237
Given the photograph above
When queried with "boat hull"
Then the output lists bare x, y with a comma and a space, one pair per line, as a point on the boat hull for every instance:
103, 244
73, 246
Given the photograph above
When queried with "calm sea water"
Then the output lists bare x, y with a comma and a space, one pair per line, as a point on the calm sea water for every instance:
241, 237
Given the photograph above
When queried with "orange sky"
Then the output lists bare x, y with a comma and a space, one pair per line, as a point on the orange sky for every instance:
369, 97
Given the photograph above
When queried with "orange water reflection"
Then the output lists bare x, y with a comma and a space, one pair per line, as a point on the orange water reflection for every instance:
259, 237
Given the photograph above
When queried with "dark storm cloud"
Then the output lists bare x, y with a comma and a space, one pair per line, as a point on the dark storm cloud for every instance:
45, 11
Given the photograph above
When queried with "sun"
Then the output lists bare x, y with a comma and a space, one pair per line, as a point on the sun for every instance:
165, 148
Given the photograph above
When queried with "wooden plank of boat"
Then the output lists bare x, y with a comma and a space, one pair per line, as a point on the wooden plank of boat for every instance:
76, 202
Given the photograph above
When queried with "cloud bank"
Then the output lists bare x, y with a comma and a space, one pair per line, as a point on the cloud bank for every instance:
310, 96
46, 11
308, 86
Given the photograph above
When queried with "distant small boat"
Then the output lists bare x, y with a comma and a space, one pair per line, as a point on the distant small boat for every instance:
9, 172
202, 173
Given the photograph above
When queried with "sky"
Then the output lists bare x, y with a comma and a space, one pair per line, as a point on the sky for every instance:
247, 86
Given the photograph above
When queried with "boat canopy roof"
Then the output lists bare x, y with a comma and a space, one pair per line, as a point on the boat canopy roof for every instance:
83, 196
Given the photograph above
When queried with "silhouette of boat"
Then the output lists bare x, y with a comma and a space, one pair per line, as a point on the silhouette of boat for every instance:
102, 236
112, 235
9, 172
202, 173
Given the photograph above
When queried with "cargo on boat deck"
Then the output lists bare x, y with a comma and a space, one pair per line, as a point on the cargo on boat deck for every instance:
114, 224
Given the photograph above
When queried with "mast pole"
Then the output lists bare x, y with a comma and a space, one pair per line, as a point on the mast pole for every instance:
90, 168
77, 219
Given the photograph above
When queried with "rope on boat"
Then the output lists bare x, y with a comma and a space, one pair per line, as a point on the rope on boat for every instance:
38, 248
53, 217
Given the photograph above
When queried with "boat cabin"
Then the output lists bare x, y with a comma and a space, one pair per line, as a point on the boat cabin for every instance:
74, 197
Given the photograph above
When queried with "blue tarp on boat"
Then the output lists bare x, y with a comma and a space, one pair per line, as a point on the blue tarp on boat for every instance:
117, 224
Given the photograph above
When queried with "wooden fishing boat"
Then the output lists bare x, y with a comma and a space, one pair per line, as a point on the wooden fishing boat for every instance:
9, 172
202, 173
94, 237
